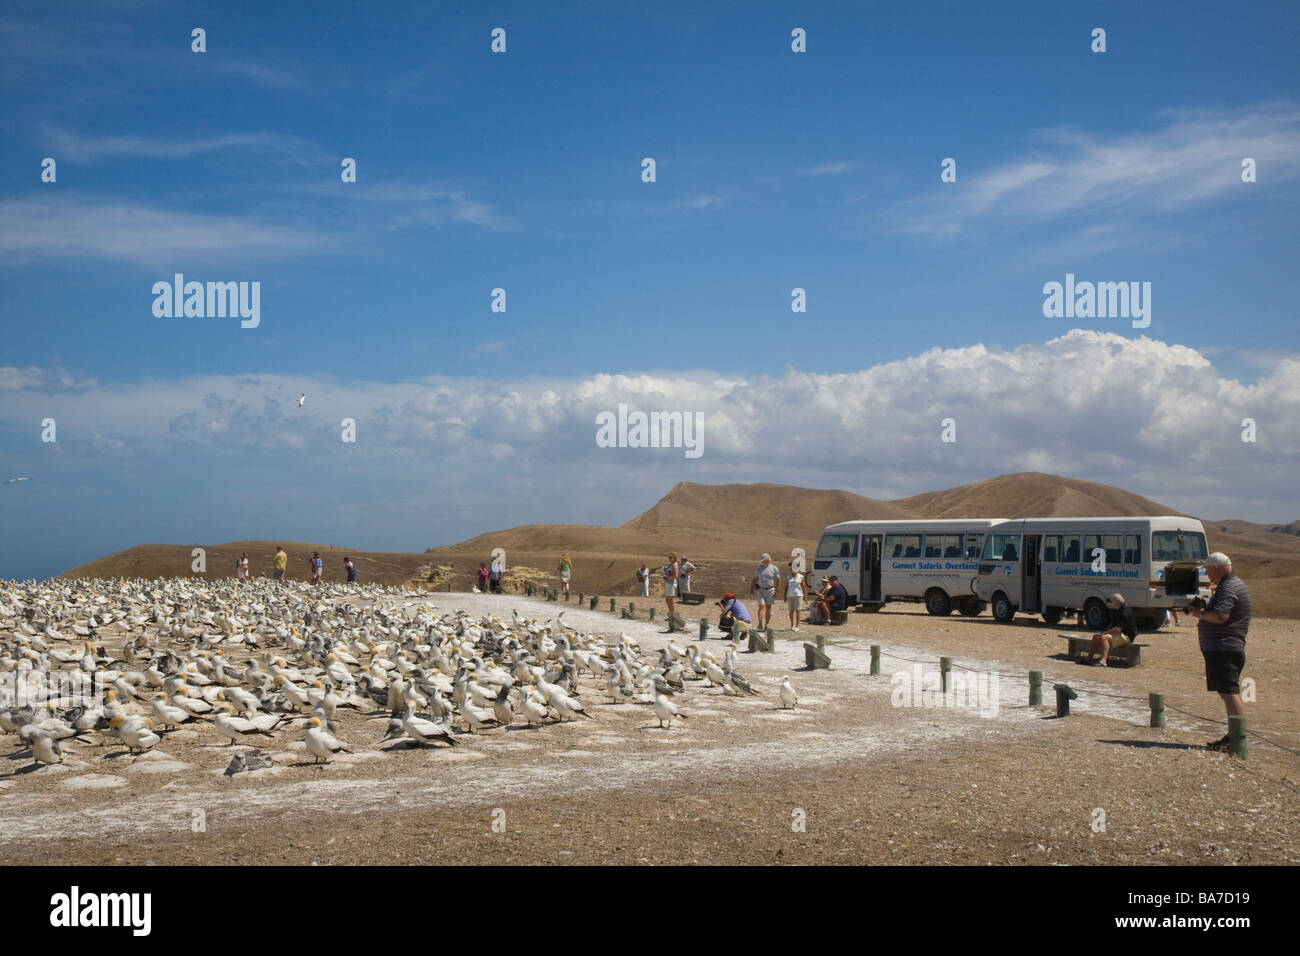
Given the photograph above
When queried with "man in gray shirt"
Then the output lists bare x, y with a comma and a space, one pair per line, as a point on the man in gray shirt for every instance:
764, 585
1221, 626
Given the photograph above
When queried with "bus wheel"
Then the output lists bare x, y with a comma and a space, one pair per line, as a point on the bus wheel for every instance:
972, 608
1053, 615
1095, 614
937, 602
1003, 611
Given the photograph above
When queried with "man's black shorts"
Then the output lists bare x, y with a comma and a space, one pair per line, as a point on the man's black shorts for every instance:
1223, 671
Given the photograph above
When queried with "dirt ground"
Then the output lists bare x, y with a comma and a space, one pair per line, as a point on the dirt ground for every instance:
857, 773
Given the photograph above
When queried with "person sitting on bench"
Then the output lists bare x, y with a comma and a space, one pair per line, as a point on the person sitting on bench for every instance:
1122, 630
832, 599
733, 611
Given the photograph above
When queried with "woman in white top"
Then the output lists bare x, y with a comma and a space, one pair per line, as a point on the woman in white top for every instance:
793, 595
670, 586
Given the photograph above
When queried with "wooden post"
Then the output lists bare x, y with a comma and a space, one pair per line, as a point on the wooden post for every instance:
1237, 737
594, 599
735, 630
1035, 688
582, 598
1157, 709
611, 605
771, 640
875, 660
652, 613
1064, 694
821, 643
945, 674
704, 629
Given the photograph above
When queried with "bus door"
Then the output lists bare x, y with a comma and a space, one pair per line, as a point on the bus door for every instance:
1031, 600
869, 592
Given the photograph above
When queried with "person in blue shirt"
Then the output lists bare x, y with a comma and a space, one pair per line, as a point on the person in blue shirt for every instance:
733, 610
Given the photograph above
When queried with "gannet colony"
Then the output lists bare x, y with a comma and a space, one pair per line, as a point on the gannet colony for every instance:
87, 665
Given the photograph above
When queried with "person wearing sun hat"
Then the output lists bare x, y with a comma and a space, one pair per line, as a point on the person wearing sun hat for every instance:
733, 612
1221, 627
1123, 630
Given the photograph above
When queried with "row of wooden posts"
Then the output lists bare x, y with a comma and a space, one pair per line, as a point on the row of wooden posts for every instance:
765, 641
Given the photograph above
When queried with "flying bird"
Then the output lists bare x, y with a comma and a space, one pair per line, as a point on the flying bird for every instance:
14, 480
302, 399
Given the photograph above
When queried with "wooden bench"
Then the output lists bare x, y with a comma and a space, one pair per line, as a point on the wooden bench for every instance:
757, 640
1129, 654
691, 597
814, 658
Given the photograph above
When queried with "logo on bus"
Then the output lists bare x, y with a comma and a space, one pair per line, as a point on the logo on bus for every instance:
1006, 569
846, 565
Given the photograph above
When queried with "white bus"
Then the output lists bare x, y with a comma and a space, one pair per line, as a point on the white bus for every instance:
880, 561
1055, 566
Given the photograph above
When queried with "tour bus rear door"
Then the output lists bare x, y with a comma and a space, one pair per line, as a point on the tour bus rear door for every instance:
870, 590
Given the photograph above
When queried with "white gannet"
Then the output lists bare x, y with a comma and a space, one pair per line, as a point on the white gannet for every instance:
236, 728
321, 744
665, 709
426, 731
136, 736
788, 697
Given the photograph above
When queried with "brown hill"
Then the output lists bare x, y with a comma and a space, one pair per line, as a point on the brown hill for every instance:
724, 528
778, 509
175, 560
1031, 495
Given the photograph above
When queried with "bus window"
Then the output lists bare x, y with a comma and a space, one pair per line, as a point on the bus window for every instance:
1070, 543
943, 546
974, 545
1178, 546
1002, 547
838, 546
903, 545
1133, 549
1052, 549
1112, 543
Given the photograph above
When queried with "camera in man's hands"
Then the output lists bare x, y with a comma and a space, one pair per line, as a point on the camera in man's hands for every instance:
1196, 602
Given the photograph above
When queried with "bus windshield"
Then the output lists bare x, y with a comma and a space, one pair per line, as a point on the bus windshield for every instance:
1178, 546
838, 546
1002, 547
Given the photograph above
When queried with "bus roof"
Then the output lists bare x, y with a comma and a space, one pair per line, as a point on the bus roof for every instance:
915, 524
1155, 522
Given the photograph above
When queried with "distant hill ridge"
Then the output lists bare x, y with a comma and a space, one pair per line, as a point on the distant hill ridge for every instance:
724, 528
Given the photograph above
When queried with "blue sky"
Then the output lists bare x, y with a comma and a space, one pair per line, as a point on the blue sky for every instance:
521, 170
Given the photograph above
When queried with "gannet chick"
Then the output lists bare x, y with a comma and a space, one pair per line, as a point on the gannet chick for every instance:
502, 708
788, 697
321, 744
45, 749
